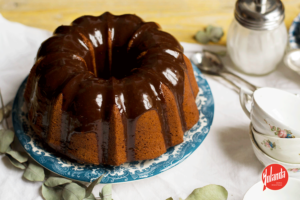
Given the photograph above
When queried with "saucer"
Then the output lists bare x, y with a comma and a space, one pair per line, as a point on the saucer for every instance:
290, 191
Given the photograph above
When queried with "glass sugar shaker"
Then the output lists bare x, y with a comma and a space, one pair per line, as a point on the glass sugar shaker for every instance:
257, 37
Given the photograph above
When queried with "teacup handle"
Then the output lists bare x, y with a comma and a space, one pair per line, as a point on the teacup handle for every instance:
243, 99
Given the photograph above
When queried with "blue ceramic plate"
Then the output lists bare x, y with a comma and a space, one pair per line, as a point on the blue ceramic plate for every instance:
294, 33
126, 172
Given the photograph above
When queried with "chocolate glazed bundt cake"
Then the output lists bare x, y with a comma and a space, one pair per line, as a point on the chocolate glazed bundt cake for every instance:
111, 89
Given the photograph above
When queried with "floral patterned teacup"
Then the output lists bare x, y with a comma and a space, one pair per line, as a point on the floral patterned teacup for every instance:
282, 149
273, 112
293, 169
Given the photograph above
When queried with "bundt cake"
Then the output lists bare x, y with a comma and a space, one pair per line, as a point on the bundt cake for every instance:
111, 89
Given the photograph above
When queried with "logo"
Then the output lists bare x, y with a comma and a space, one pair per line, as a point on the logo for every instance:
274, 177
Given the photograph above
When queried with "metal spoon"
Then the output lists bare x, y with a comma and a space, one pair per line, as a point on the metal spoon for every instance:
210, 63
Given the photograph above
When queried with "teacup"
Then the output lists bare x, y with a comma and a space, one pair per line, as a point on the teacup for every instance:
273, 111
283, 149
293, 169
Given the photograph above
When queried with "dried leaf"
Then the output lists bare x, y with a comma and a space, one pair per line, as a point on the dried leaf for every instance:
92, 185
6, 112
55, 181
202, 37
15, 163
19, 156
209, 192
34, 172
2, 108
51, 193
1, 115
91, 197
73, 191
6, 138
106, 192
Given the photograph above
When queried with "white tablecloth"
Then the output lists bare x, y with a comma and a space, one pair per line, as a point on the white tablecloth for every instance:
225, 157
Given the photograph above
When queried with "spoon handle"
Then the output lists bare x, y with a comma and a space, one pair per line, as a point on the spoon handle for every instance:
249, 97
240, 78
231, 82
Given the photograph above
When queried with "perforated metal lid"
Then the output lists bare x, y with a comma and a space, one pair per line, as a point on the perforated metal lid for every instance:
259, 14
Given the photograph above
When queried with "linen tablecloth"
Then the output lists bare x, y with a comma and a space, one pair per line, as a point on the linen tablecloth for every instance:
225, 157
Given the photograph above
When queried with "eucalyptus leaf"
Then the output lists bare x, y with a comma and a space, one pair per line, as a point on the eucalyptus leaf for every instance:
209, 192
107, 192
55, 181
6, 138
19, 156
15, 163
73, 191
8, 149
51, 193
91, 197
34, 172
209, 28
214, 33
202, 37
92, 185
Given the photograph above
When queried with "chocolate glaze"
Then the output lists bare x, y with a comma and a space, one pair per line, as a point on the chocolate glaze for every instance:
99, 62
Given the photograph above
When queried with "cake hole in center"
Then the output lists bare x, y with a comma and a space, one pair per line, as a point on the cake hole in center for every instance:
119, 65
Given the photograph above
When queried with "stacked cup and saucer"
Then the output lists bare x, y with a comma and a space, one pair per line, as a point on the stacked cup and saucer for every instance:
275, 127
